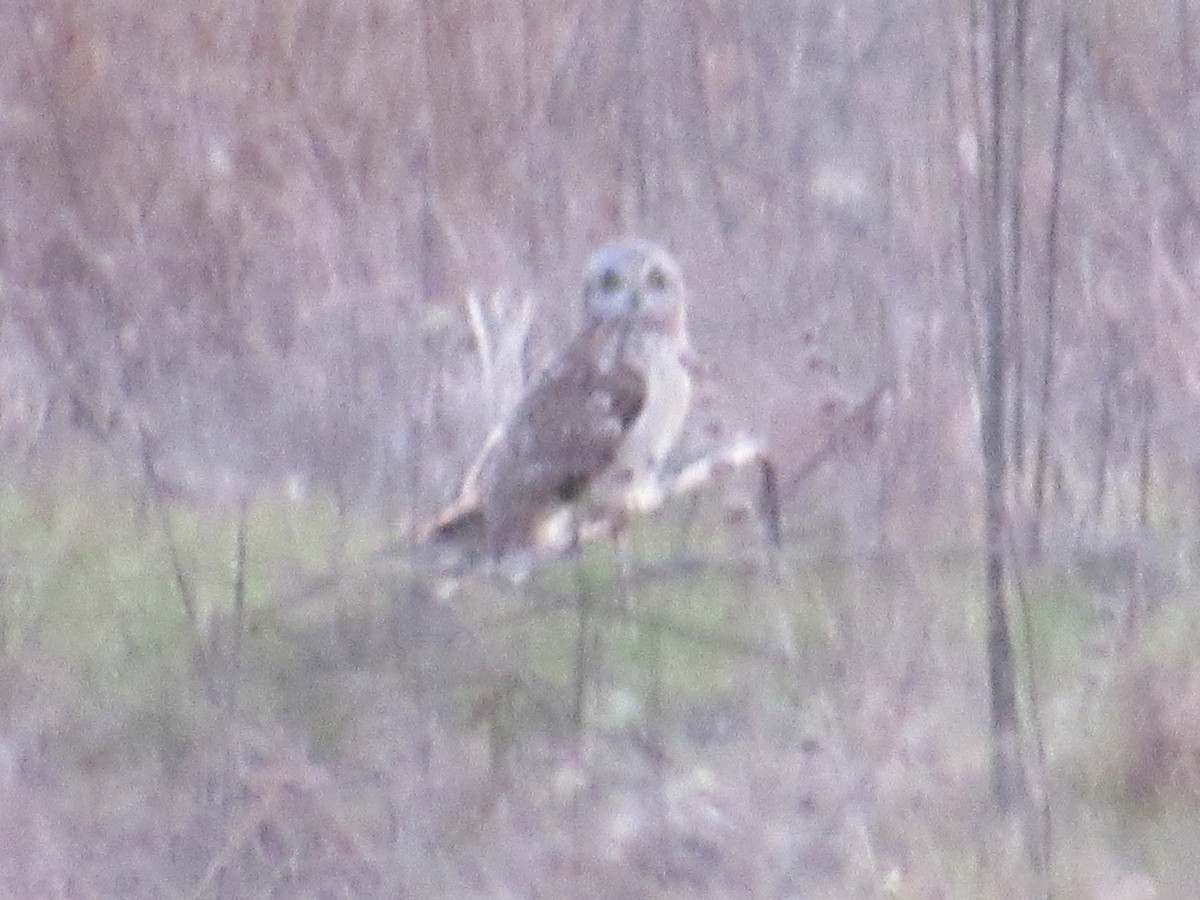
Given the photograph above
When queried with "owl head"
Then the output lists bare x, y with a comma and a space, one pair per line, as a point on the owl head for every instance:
636, 280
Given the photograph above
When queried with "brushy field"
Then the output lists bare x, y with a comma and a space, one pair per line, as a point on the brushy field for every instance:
694, 728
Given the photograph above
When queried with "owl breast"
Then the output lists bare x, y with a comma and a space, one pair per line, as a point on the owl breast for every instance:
634, 480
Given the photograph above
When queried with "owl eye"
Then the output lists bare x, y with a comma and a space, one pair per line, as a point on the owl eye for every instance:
610, 281
656, 279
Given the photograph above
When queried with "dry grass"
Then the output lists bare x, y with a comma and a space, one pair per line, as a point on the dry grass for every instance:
234, 239
389, 741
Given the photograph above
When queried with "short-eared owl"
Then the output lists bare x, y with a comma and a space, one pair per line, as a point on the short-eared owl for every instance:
591, 435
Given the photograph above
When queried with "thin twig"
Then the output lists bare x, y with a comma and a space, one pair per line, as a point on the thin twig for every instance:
1040, 837
585, 600
186, 594
1056, 178
239, 605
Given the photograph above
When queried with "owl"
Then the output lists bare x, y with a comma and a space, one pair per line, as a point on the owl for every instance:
589, 439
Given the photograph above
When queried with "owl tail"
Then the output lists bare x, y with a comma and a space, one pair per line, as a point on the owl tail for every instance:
461, 525
456, 539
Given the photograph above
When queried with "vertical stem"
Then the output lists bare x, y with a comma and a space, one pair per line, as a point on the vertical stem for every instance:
534, 183
1007, 781
709, 119
633, 153
1014, 133
583, 639
1103, 440
239, 605
1049, 336
427, 162
1145, 458
959, 125
1185, 38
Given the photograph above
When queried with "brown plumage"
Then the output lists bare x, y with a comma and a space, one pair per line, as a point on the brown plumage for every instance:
596, 427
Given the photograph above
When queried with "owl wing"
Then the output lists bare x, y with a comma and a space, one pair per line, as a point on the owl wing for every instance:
561, 436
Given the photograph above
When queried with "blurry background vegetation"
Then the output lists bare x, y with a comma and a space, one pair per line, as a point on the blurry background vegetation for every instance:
237, 242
